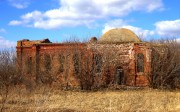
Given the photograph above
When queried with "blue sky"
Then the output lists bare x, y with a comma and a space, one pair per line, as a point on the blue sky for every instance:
61, 20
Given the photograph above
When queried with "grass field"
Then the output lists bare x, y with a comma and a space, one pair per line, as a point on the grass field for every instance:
49, 100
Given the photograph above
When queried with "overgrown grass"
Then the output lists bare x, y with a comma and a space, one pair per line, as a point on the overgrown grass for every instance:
49, 100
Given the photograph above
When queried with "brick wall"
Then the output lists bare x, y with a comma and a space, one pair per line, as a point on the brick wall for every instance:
113, 56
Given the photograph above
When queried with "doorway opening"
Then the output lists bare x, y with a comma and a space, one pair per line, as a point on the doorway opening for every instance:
119, 76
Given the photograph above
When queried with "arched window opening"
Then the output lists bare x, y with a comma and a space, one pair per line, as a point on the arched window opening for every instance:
76, 63
61, 63
98, 62
29, 65
140, 62
47, 62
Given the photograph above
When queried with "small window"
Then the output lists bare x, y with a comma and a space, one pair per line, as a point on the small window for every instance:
47, 62
76, 63
29, 65
98, 62
61, 63
140, 62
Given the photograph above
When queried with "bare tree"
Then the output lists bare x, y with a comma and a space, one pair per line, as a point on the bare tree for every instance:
8, 73
166, 64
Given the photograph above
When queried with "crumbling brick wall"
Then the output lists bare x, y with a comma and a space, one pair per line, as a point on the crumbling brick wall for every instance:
124, 55
111, 56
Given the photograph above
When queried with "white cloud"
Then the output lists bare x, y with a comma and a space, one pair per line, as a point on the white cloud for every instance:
84, 12
15, 22
162, 28
168, 28
28, 18
6, 43
178, 40
2, 30
119, 23
20, 4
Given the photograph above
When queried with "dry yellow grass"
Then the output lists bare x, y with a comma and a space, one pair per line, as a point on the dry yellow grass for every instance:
49, 100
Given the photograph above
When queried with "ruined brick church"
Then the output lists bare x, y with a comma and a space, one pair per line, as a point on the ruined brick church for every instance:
118, 57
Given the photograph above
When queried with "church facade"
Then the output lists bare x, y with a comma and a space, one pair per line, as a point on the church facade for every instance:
119, 57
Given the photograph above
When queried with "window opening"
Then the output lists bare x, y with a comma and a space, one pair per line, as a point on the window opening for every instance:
140, 62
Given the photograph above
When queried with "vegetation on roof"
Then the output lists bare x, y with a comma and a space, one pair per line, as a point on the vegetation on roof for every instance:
119, 35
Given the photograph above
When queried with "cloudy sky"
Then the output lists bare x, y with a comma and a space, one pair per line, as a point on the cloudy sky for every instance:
61, 20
